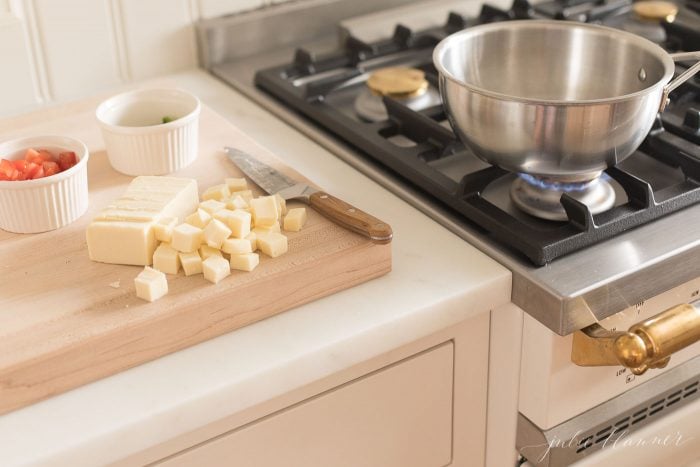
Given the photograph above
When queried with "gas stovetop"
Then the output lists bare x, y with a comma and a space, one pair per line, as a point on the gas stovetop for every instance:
572, 290
410, 135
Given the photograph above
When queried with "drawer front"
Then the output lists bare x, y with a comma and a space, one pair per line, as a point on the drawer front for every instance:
399, 416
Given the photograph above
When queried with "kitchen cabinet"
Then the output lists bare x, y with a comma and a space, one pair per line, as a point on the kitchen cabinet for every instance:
400, 415
421, 405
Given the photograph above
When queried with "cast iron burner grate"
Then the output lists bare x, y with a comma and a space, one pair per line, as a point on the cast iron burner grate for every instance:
421, 148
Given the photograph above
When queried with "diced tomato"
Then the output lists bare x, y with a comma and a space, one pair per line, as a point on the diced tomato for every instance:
31, 154
51, 168
36, 164
20, 164
66, 160
34, 171
7, 168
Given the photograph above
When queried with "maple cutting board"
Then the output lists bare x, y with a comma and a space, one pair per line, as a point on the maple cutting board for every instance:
63, 320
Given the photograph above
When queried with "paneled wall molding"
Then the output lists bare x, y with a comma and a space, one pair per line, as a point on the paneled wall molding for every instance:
65, 49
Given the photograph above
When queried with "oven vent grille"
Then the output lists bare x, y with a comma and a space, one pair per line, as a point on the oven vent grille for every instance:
646, 413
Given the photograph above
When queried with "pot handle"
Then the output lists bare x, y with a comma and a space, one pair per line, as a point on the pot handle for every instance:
683, 77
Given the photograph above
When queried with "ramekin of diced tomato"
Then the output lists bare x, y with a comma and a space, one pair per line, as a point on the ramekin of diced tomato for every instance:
43, 183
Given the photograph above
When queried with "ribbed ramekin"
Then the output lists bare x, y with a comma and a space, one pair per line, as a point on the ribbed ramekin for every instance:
137, 141
32, 206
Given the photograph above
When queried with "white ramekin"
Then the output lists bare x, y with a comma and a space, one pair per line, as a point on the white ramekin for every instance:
44, 204
136, 140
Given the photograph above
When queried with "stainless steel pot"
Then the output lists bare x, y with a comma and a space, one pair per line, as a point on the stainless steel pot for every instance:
555, 99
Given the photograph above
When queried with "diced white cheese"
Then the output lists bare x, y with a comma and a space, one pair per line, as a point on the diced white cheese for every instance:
215, 268
215, 233
163, 228
236, 184
281, 205
237, 202
217, 192
253, 239
267, 229
191, 263
205, 251
200, 218
236, 246
295, 219
238, 221
265, 211
166, 259
244, 262
187, 238
211, 206
150, 284
272, 244
247, 195
124, 233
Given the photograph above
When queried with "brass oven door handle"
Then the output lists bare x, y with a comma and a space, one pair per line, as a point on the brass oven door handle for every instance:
648, 344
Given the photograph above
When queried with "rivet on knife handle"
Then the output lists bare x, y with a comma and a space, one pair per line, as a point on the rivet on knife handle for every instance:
350, 217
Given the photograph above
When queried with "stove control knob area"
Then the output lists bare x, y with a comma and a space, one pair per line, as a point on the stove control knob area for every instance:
648, 344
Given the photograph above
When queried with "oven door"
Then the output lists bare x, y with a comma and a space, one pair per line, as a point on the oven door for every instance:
568, 413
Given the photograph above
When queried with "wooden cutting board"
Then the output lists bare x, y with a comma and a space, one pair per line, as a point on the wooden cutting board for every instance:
66, 321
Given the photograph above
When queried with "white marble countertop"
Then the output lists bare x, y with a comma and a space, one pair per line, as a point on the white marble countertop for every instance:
437, 280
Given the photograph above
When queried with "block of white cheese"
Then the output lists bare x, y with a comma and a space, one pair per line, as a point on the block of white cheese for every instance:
123, 232
150, 284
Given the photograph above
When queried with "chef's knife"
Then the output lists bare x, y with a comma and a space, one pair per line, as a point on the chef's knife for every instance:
340, 212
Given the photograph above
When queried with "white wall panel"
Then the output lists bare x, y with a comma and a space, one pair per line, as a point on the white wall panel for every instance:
213, 8
76, 39
159, 36
16, 84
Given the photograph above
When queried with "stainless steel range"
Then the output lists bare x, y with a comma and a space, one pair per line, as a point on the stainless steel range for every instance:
616, 254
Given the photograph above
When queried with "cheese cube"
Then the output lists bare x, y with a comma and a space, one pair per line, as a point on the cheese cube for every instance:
166, 259
244, 262
163, 228
247, 195
281, 205
200, 218
238, 221
205, 251
191, 263
217, 192
124, 233
236, 184
215, 268
272, 244
236, 246
265, 210
211, 206
295, 219
237, 202
253, 239
215, 233
187, 238
267, 229
150, 284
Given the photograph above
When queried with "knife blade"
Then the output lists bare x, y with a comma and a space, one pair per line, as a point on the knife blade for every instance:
344, 214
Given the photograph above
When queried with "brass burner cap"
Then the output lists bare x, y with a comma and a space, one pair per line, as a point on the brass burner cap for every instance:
656, 10
398, 82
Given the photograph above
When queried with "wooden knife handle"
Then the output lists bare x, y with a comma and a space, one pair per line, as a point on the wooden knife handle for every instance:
350, 217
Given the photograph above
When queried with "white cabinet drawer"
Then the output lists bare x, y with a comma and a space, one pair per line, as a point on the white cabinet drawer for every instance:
399, 416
